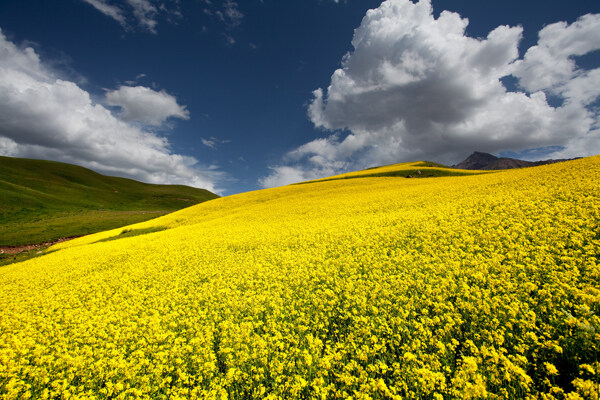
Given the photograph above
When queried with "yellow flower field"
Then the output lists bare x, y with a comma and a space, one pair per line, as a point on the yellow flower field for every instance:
464, 287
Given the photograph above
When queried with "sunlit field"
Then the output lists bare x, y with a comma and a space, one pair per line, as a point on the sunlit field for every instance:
461, 287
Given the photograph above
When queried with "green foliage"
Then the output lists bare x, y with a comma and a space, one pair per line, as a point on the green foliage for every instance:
42, 201
433, 171
134, 232
46, 228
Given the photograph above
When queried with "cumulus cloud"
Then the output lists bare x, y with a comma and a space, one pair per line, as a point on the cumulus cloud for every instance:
550, 65
142, 104
144, 12
42, 116
417, 87
282, 175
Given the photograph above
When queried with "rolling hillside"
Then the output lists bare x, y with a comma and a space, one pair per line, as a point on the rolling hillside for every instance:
450, 287
41, 201
419, 169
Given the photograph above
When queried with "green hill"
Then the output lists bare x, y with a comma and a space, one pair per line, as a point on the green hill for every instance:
42, 201
418, 169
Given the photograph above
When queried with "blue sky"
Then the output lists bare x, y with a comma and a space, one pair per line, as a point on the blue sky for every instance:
240, 95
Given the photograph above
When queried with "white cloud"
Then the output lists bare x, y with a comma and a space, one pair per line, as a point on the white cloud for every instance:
550, 65
231, 15
209, 143
109, 10
142, 104
44, 117
228, 13
142, 12
229, 40
284, 175
145, 13
213, 142
416, 87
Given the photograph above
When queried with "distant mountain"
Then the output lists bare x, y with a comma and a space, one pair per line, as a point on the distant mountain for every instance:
41, 201
486, 161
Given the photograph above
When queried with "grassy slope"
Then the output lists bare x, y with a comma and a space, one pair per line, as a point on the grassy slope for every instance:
42, 201
190, 216
481, 286
419, 169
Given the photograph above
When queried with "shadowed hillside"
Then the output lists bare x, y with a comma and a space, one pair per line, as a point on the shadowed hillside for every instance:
418, 169
41, 201
486, 161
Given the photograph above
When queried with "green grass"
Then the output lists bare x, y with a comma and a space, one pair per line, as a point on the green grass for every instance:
41, 201
125, 233
437, 171
53, 226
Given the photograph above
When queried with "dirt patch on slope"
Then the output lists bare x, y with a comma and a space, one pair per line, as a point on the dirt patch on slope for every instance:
29, 247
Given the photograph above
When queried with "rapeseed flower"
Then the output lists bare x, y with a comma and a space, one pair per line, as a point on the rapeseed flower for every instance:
480, 286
